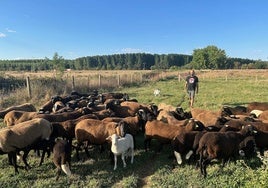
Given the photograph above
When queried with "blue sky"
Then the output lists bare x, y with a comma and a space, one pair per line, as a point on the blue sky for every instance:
77, 28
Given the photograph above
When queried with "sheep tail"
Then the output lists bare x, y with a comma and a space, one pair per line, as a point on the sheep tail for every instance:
66, 169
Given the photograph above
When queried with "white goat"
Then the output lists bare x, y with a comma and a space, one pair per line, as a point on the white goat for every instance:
123, 146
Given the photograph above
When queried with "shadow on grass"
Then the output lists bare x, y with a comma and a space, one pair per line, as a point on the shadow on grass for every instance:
236, 104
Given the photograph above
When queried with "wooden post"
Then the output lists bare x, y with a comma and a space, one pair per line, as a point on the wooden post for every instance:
29, 87
118, 80
73, 86
179, 77
141, 77
88, 85
131, 78
99, 80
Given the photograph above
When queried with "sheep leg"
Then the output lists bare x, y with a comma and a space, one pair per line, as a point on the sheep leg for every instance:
77, 151
42, 157
123, 159
115, 162
87, 152
204, 167
178, 157
10, 161
146, 143
24, 159
13, 159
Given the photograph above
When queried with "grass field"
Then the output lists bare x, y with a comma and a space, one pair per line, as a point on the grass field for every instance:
152, 169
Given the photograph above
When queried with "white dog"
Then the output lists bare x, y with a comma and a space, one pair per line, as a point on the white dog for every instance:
157, 92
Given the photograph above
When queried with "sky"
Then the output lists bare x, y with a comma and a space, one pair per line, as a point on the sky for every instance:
37, 29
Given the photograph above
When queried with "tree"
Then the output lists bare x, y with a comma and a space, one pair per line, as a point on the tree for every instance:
58, 62
210, 57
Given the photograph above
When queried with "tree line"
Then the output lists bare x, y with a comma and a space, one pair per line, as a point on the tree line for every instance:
210, 57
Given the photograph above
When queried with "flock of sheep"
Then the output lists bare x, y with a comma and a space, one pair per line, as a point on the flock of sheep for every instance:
114, 119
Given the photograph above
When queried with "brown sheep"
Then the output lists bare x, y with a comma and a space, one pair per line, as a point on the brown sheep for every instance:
257, 106
94, 132
14, 117
66, 129
164, 132
46, 108
220, 145
207, 117
263, 115
104, 114
104, 96
22, 136
62, 157
27, 107
64, 116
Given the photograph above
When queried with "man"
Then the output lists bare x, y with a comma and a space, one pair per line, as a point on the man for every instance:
191, 86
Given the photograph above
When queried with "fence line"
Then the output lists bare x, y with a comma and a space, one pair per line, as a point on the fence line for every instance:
115, 80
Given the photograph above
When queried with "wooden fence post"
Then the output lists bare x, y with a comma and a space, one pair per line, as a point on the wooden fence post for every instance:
99, 80
179, 77
118, 80
29, 87
73, 85
88, 85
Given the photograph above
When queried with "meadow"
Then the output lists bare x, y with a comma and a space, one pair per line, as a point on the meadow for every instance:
151, 169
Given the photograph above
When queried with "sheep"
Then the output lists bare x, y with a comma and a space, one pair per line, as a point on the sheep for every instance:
256, 113
23, 135
57, 106
164, 132
207, 117
257, 106
237, 110
128, 108
248, 148
261, 139
263, 115
16, 116
125, 109
104, 113
186, 143
46, 108
27, 107
169, 113
93, 132
104, 96
66, 129
62, 157
182, 144
64, 116
218, 145
122, 146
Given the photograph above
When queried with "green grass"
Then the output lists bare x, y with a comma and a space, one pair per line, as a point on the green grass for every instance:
152, 169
